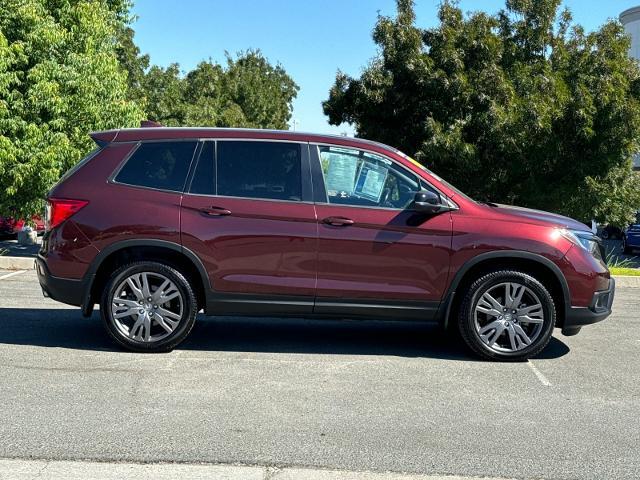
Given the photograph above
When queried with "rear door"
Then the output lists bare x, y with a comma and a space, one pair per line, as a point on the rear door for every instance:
376, 256
248, 214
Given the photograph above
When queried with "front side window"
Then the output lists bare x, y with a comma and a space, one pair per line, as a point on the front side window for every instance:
161, 165
359, 178
268, 170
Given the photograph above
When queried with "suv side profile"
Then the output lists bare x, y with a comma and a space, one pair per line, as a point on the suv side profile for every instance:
158, 224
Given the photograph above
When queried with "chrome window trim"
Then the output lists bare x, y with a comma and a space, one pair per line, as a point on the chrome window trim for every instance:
296, 202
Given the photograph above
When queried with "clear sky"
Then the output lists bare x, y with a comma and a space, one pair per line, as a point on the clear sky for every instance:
312, 39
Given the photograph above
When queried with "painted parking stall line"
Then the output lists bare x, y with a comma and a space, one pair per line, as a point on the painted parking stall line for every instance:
12, 274
539, 374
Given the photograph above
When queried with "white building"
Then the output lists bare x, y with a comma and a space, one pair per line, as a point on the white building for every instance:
630, 18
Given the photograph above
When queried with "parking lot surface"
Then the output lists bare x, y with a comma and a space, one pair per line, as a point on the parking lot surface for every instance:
338, 395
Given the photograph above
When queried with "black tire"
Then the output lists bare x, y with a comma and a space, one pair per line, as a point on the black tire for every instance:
185, 323
467, 321
626, 249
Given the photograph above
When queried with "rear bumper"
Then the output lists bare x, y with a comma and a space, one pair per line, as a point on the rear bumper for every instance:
63, 290
600, 308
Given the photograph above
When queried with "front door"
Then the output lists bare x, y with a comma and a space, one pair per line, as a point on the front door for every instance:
375, 255
246, 216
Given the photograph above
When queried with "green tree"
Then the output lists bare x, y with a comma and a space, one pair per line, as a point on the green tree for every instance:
133, 62
59, 79
520, 107
247, 92
163, 89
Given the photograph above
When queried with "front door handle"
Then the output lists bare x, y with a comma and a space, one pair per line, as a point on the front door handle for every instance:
338, 221
215, 211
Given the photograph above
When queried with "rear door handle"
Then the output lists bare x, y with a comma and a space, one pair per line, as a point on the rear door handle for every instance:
338, 221
215, 211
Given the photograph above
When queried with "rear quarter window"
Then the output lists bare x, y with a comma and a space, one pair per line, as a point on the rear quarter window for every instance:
160, 165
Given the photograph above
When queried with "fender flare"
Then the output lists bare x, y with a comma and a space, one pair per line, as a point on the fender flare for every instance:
501, 254
90, 275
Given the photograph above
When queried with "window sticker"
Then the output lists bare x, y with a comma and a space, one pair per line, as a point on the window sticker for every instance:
371, 181
341, 174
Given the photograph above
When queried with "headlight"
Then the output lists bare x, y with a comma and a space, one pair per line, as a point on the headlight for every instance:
586, 240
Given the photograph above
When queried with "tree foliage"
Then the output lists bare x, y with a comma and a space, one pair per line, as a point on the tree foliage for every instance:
519, 107
59, 79
68, 67
247, 92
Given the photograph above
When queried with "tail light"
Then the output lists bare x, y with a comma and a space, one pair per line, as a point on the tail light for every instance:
60, 209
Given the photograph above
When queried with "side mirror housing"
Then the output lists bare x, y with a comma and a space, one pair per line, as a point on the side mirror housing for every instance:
428, 202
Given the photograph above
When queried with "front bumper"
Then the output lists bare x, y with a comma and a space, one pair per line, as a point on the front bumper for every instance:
600, 308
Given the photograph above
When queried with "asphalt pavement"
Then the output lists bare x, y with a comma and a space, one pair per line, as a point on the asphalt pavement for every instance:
344, 396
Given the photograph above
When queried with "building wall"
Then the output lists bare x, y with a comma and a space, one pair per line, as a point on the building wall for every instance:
631, 20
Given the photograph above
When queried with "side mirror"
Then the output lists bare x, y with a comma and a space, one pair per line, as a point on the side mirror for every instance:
426, 201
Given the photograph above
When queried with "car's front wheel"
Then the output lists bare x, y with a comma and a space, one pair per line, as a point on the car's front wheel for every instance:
148, 307
507, 315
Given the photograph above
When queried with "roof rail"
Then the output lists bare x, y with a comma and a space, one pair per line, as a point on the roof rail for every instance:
149, 124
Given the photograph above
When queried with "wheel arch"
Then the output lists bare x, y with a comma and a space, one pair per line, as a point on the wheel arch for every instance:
535, 265
128, 251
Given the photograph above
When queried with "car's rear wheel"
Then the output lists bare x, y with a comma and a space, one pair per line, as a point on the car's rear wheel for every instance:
148, 307
507, 315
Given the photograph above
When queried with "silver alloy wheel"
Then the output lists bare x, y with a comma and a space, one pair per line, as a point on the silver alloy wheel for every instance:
147, 307
508, 317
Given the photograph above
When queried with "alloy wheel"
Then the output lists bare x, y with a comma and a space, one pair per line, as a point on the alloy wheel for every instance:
147, 307
508, 317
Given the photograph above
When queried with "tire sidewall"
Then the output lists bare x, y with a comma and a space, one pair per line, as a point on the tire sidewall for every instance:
186, 322
482, 285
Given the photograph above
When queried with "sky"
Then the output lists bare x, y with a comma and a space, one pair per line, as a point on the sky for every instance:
311, 39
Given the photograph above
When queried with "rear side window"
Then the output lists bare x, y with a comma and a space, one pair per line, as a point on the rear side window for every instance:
269, 170
161, 165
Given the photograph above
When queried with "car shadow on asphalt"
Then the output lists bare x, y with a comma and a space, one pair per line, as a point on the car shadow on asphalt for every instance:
64, 328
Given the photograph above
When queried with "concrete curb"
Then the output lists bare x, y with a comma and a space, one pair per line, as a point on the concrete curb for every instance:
27, 263
16, 263
627, 281
81, 470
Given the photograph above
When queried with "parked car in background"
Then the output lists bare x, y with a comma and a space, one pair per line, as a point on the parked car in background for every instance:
160, 223
612, 232
631, 237
10, 226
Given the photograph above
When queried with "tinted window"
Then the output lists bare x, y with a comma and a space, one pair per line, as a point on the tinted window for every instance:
259, 170
355, 177
162, 165
203, 181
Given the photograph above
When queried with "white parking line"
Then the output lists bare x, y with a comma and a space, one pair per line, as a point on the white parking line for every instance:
539, 374
12, 274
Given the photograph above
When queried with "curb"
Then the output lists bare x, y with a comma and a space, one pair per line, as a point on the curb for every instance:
17, 263
63, 469
28, 263
627, 281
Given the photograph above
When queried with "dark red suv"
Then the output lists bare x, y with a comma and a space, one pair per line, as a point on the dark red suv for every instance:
159, 223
